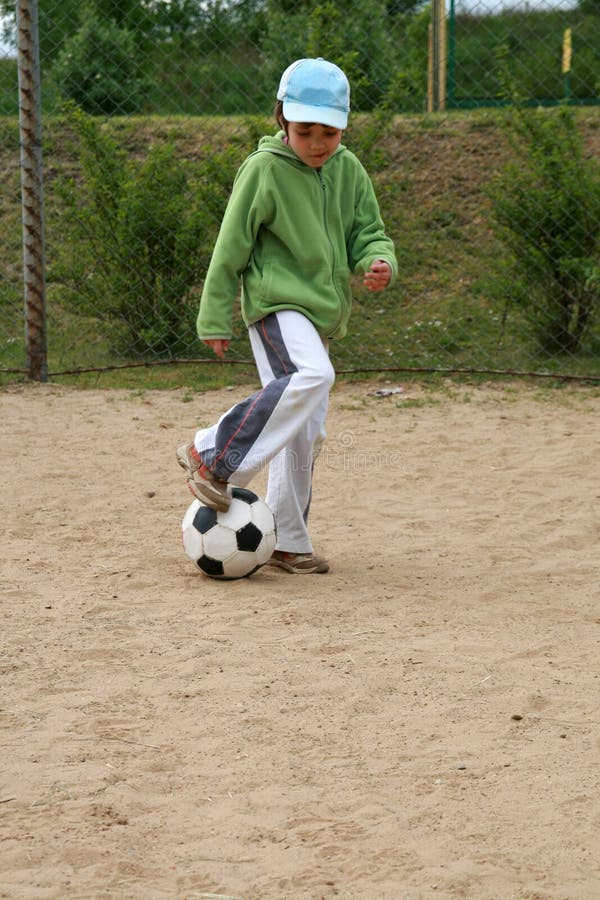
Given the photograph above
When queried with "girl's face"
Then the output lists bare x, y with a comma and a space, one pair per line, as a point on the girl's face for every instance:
313, 143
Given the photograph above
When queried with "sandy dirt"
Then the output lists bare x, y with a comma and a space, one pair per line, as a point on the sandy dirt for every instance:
421, 722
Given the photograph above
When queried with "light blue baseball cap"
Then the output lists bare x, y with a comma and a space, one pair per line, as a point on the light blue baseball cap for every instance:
314, 90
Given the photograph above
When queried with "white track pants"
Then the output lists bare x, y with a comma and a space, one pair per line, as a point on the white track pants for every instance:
282, 425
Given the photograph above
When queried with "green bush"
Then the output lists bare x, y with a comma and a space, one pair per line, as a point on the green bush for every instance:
361, 45
99, 67
140, 235
532, 39
546, 206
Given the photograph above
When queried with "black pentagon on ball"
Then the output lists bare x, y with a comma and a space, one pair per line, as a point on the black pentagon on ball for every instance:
249, 537
204, 519
210, 566
244, 494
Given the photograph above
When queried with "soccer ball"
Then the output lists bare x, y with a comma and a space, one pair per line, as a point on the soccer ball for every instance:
231, 544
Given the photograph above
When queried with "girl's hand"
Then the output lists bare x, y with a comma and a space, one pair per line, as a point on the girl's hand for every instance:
379, 275
218, 346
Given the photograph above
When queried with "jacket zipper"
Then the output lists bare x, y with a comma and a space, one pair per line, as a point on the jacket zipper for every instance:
324, 196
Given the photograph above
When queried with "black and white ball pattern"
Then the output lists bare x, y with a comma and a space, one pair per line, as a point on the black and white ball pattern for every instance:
231, 544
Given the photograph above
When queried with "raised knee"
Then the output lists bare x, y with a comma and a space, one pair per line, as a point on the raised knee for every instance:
326, 376
319, 379
329, 377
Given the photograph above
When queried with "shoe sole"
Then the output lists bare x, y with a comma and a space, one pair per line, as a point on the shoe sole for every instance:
319, 569
204, 491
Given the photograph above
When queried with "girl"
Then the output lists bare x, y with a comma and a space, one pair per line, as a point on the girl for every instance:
302, 217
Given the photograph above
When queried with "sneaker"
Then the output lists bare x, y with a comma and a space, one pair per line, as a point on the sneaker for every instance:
204, 487
298, 563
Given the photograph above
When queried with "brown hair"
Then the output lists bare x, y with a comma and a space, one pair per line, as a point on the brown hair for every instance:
279, 116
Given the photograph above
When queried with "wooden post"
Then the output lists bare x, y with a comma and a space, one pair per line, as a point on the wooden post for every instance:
437, 58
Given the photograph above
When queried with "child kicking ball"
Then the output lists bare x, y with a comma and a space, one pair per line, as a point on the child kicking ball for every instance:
302, 218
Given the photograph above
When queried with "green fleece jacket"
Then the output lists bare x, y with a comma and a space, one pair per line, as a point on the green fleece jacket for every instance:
293, 235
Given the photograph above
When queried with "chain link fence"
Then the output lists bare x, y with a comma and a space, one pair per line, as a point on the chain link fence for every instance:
477, 120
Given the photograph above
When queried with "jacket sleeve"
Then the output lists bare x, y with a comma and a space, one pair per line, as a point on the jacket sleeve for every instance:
368, 240
231, 253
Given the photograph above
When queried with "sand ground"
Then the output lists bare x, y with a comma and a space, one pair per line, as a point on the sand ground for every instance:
423, 721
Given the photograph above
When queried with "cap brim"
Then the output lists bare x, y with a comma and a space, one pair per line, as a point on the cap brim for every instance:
321, 115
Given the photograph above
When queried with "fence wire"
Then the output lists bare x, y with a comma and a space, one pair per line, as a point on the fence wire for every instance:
478, 122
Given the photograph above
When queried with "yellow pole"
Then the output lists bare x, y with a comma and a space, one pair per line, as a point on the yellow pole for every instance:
567, 52
566, 62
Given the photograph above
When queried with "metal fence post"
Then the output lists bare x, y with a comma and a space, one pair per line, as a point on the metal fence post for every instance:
30, 131
451, 73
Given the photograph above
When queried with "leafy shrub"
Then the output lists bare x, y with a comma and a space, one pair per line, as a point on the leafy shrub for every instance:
546, 206
99, 67
140, 234
361, 45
